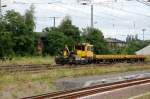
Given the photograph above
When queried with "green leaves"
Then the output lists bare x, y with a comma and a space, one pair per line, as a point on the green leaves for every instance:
95, 36
29, 19
135, 45
54, 41
18, 33
6, 44
70, 30
56, 38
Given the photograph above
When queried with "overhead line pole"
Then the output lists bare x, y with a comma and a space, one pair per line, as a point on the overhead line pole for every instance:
143, 33
54, 22
91, 7
0, 9
92, 24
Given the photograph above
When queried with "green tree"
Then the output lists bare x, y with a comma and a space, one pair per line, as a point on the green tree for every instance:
70, 30
134, 44
54, 41
2, 25
6, 44
95, 36
15, 22
22, 28
29, 19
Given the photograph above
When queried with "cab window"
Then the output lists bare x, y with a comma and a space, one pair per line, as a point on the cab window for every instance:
80, 47
89, 48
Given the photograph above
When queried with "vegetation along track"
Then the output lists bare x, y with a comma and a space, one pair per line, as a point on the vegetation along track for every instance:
39, 67
72, 94
28, 67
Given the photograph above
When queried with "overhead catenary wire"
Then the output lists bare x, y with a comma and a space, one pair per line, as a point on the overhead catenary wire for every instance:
59, 5
98, 16
114, 17
126, 11
15, 2
56, 2
143, 2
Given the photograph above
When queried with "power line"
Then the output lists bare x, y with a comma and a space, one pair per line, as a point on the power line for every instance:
15, 2
87, 13
143, 2
53, 17
127, 11
95, 15
93, 3
116, 16
65, 7
84, 12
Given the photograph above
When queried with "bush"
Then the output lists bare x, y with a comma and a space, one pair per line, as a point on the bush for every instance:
95, 37
6, 44
54, 42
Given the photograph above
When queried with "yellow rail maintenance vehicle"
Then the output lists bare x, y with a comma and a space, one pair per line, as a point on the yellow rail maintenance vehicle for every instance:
83, 54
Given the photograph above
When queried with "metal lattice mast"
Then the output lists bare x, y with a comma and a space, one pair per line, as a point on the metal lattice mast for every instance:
0, 10
92, 25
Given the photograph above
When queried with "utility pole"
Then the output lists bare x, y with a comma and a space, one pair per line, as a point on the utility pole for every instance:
54, 22
84, 2
92, 25
143, 33
134, 25
143, 37
0, 9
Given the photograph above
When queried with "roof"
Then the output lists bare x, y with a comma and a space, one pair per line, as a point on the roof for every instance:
42, 34
144, 51
114, 40
87, 44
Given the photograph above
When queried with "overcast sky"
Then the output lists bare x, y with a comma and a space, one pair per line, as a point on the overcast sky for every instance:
115, 19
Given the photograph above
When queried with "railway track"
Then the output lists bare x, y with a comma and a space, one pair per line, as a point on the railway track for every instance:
39, 67
77, 93
28, 67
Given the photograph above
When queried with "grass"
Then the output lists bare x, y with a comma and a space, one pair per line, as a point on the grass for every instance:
143, 96
29, 60
36, 83
148, 58
20, 84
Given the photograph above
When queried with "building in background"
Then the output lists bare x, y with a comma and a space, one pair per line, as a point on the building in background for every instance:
40, 45
114, 43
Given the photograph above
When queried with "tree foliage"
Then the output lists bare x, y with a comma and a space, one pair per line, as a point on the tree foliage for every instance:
6, 44
95, 36
15, 22
17, 36
70, 30
133, 44
29, 19
21, 28
54, 41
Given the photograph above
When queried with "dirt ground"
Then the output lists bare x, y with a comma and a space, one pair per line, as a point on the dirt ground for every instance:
15, 91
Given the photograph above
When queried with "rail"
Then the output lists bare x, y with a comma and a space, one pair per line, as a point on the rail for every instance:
72, 94
40, 67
